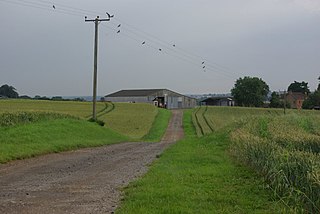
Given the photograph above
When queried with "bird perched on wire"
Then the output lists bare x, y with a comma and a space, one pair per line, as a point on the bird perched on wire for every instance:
143, 42
202, 62
118, 31
160, 49
54, 7
204, 67
119, 25
174, 45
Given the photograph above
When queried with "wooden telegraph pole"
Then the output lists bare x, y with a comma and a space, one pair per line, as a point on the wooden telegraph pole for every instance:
96, 21
284, 101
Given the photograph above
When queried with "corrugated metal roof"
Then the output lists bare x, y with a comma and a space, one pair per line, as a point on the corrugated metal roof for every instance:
134, 93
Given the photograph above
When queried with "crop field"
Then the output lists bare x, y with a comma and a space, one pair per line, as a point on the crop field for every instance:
283, 149
79, 109
131, 119
29, 128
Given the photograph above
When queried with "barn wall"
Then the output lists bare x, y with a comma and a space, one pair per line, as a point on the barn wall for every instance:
128, 99
172, 99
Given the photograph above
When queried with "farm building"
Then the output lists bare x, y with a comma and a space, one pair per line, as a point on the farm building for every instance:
159, 97
218, 101
295, 99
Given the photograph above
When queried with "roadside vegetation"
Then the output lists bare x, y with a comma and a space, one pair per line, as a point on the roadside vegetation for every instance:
283, 149
52, 135
30, 128
197, 175
252, 161
158, 127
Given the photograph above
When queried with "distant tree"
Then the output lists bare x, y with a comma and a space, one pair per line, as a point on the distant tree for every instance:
299, 87
8, 91
57, 98
25, 97
313, 100
275, 101
250, 91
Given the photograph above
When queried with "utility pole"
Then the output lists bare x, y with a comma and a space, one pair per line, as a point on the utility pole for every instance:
96, 21
284, 101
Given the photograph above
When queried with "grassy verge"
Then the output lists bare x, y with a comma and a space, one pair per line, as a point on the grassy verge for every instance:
159, 126
196, 175
24, 141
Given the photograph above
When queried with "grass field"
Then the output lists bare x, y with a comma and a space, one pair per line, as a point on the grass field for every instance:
196, 175
283, 149
79, 109
131, 119
30, 128
47, 136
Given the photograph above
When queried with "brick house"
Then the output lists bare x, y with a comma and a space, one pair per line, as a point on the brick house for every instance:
295, 99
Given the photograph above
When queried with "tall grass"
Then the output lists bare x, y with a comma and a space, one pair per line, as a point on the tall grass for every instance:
78, 109
11, 119
284, 149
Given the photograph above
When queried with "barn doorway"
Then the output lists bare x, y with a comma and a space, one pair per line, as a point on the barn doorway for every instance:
159, 101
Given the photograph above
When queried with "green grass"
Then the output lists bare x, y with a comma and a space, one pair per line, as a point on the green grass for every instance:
29, 128
25, 141
283, 149
196, 175
79, 109
159, 126
134, 120
131, 119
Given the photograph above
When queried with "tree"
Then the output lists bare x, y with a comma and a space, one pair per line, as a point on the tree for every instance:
8, 91
275, 100
250, 91
313, 99
299, 87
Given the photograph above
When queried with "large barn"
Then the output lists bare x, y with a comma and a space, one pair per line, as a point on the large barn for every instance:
159, 97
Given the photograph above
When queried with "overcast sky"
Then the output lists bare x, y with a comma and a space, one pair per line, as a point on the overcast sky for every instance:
49, 51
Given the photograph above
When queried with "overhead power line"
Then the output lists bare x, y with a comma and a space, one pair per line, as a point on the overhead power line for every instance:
136, 34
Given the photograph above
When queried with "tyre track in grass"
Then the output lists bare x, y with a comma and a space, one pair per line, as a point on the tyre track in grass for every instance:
81, 181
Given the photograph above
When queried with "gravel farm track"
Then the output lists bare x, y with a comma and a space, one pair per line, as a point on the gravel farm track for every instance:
81, 181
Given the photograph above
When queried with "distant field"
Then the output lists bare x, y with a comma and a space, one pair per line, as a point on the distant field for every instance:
284, 149
79, 109
131, 119
30, 127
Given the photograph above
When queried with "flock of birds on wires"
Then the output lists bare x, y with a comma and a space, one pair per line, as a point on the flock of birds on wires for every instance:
133, 33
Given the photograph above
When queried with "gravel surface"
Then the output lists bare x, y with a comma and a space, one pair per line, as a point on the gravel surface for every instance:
82, 181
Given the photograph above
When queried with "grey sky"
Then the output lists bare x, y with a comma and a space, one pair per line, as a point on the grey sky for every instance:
43, 51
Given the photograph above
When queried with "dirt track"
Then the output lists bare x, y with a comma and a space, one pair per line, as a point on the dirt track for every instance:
82, 181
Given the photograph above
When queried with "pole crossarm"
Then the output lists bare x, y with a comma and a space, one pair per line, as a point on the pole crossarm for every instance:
96, 21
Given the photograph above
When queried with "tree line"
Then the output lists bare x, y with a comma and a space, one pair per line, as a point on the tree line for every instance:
7, 91
253, 92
